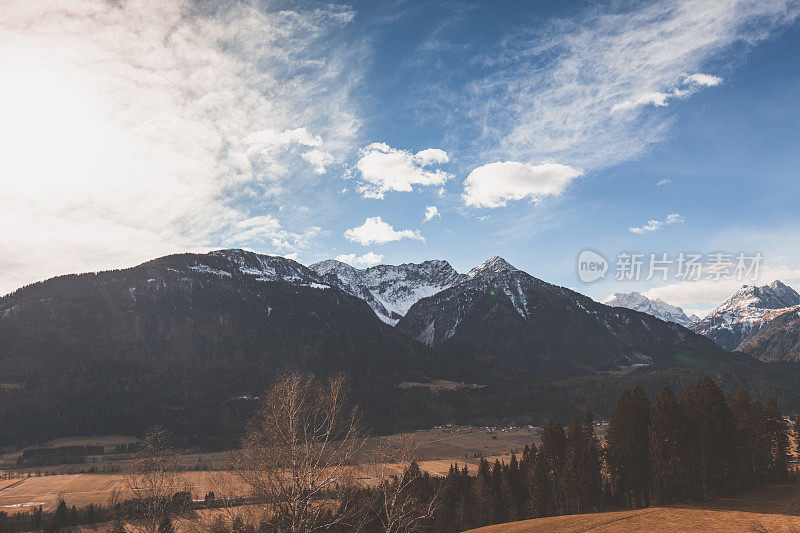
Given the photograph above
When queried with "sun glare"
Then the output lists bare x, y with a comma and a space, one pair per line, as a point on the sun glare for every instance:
52, 130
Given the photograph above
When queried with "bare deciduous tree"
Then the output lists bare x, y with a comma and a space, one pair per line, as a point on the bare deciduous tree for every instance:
298, 457
402, 507
153, 478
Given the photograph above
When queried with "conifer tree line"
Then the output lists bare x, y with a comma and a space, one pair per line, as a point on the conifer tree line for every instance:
668, 452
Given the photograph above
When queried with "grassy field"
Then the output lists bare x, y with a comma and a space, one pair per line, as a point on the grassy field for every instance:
774, 508
438, 449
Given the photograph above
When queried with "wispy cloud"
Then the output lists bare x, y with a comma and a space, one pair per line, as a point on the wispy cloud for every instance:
552, 89
139, 128
375, 231
688, 86
655, 225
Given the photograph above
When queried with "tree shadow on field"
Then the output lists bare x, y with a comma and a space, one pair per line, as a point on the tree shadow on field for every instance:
783, 499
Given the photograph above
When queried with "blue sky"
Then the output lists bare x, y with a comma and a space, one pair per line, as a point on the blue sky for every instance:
535, 129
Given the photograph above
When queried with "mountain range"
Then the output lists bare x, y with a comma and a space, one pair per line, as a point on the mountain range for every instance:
190, 340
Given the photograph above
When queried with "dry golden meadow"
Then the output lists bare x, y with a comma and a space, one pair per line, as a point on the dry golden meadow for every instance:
438, 449
773, 508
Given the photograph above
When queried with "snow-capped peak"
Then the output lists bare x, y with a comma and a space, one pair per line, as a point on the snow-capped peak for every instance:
776, 295
390, 289
332, 266
656, 307
742, 315
490, 266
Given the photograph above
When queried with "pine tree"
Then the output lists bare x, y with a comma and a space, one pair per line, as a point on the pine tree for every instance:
61, 517
711, 433
483, 494
516, 488
553, 453
500, 502
747, 428
778, 441
628, 448
763, 448
542, 495
574, 466
593, 464
665, 448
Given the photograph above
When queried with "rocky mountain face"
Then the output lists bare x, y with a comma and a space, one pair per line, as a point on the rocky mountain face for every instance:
503, 320
743, 315
778, 339
390, 290
656, 307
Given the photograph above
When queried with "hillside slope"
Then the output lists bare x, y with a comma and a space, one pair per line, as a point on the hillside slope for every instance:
778, 338
177, 338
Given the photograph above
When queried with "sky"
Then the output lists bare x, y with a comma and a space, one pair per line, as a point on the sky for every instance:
400, 131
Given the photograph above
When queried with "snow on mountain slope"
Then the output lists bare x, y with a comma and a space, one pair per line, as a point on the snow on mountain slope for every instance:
778, 338
658, 308
492, 265
390, 289
742, 315
237, 262
502, 319
495, 277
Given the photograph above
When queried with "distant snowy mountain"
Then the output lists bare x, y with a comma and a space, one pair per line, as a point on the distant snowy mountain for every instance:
742, 315
390, 290
657, 307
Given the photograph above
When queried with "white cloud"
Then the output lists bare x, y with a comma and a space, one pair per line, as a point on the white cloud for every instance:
375, 231
319, 160
494, 184
690, 84
383, 169
368, 259
293, 256
431, 212
665, 181
552, 87
135, 129
430, 156
655, 225
703, 80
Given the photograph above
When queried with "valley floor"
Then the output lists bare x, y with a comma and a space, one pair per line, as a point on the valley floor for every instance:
438, 449
772, 508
